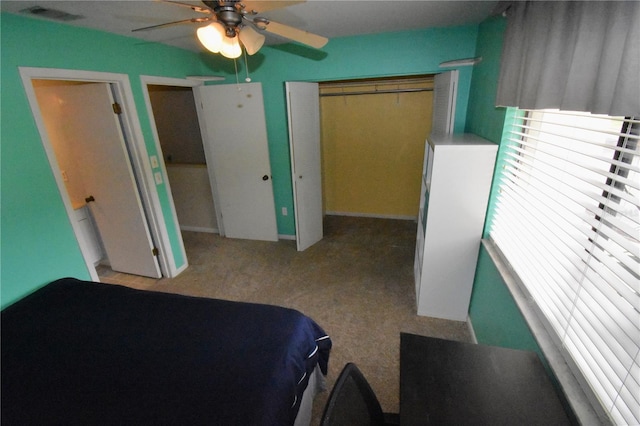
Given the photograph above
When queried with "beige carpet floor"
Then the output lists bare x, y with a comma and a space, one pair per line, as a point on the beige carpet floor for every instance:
357, 283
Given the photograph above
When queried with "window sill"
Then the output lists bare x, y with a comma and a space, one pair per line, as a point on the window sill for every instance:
583, 402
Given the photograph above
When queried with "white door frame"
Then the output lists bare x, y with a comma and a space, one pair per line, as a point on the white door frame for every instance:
167, 81
139, 158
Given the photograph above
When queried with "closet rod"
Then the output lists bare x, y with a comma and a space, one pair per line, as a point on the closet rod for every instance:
375, 92
375, 82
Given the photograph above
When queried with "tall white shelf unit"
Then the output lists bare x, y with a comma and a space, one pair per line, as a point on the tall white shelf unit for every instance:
456, 182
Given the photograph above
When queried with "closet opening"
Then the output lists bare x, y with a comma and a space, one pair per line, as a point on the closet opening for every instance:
373, 133
96, 154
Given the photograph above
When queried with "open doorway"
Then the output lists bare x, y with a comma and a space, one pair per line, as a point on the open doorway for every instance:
356, 149
373, 135
102, 102
237, 157
91, 154
176, 121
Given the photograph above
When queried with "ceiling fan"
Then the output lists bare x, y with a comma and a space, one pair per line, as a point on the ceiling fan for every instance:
233, 24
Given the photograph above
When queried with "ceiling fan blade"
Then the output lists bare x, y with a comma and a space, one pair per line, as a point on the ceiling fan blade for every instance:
260, 6
168, 24
295, 34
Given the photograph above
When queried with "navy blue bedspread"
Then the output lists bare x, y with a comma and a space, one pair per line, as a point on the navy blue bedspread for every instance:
83, 353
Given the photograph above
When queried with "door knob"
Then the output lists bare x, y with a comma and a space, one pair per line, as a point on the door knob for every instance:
265, 177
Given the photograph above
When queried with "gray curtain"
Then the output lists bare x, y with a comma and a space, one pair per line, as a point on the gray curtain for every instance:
572, 55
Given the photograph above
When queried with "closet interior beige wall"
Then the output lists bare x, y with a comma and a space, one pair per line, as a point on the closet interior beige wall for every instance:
373, 134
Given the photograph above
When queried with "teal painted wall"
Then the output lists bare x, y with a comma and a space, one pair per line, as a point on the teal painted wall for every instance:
495, 317
38, 244
37, 241
483, 118
494, 314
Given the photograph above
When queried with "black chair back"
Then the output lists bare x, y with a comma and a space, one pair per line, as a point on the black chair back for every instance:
352, 402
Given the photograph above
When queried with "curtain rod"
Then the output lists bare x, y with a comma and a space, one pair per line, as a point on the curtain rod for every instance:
376, 92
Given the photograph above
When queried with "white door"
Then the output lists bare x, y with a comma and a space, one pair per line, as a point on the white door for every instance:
109, 179
303, 104
445, 91
235, 137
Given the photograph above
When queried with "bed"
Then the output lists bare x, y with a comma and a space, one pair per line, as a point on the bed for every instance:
84, 353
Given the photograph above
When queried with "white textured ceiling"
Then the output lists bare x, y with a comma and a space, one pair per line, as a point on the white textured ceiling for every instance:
331, 19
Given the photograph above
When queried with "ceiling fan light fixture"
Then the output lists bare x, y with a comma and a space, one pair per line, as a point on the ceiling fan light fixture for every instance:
231, 48
251, 39
233, 28
212, 36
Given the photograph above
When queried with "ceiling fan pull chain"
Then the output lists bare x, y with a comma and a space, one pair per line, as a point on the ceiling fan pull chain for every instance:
235, 65
246, 65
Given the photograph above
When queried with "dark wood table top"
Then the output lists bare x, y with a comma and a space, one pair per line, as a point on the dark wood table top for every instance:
443, 382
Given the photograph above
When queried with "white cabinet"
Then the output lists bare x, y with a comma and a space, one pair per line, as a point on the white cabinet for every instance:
88, 238
456, 181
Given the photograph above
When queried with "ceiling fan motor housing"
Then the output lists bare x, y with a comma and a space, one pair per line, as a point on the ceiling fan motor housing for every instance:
227, 14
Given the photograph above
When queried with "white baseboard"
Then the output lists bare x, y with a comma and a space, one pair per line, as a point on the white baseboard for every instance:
199, 229
474, 339
373, 215
180, 270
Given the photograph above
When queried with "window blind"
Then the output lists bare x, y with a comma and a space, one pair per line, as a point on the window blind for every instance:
567, 220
